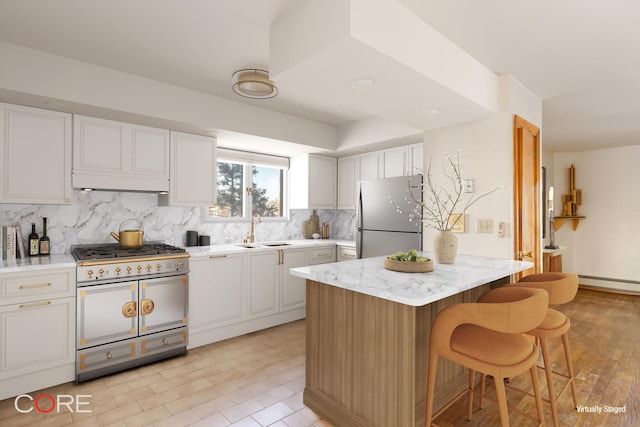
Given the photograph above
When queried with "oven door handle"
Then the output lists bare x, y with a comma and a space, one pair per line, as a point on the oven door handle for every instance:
146, 307
129, 310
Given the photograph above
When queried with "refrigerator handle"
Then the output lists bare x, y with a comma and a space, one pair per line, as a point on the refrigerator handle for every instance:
359, 223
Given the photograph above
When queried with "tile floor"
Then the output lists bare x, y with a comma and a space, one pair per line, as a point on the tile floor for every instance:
253, 380
258, 379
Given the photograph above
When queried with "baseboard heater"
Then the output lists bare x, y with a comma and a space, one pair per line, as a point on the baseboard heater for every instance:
606, 283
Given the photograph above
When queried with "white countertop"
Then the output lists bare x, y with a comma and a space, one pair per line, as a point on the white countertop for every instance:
37, 263
368, 276
67, 260
200, 251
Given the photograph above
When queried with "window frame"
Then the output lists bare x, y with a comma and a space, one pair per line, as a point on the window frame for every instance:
248, 160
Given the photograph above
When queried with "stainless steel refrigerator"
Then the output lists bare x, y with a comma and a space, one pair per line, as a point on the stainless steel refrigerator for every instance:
381, 229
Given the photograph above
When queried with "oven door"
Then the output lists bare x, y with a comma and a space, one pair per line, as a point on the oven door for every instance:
107, 313
163, 303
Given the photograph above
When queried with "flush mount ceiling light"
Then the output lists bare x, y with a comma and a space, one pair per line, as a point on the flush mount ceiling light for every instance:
254, 83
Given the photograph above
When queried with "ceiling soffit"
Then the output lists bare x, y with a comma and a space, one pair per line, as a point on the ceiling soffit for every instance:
413, 67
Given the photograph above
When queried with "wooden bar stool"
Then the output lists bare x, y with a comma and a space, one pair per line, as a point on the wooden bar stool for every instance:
488, 338
562, 288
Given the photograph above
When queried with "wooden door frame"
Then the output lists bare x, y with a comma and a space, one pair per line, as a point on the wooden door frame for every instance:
520, 125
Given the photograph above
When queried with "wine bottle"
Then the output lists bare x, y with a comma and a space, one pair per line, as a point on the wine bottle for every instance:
34, 241
44, 240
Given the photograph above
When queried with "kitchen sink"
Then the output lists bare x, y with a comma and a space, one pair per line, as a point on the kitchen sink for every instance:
276, 244
248, 246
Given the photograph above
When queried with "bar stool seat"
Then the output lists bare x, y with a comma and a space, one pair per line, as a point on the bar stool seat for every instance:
488, 338
562, 288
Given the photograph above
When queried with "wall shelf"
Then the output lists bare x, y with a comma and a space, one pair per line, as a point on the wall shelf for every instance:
560, 220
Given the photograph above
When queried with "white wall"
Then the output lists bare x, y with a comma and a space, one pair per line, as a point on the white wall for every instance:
99, 91
486, 156
606, 241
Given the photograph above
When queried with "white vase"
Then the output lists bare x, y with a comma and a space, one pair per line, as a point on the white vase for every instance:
445, 247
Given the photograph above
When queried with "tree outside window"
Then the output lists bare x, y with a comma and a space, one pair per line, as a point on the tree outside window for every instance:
234, 200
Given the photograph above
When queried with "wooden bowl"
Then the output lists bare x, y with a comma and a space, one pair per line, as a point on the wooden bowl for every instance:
409, 266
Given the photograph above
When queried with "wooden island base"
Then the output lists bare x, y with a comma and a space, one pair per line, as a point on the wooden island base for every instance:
366, 357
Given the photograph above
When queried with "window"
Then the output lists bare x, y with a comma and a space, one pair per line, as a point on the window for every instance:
248, 184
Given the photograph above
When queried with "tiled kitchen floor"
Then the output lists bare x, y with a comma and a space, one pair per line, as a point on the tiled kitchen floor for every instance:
258, 379
253, 380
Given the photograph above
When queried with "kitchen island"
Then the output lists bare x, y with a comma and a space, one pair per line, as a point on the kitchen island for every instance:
367, 335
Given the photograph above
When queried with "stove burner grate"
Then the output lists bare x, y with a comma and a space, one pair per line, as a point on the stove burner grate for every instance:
111, 251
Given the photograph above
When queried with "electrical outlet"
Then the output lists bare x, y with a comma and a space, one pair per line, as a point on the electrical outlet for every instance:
501, 226
485, 226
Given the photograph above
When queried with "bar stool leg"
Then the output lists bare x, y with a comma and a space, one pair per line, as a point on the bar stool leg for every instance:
547, 369
472, 385
502, 401
482, 384
567, 356
536, 392
431, 387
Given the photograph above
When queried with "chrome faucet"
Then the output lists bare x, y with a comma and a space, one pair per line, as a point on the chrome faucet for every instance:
251, 238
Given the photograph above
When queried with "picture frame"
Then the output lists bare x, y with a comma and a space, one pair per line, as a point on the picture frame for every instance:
457, 222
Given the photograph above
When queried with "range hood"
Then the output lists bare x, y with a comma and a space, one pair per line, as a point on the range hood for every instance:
97, 181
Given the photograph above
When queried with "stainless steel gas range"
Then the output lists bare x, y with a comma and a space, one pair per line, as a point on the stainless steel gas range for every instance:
132, 306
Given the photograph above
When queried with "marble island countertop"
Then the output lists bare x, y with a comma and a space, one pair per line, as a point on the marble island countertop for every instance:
368, 276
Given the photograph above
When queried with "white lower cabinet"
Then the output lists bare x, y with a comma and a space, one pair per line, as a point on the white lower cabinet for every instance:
293, 287
264, 272
346, 253
217, 291
37, 343
235, 294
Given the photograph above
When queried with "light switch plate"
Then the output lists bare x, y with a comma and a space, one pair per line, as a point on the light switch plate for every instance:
467, 186
501, 226
485, 226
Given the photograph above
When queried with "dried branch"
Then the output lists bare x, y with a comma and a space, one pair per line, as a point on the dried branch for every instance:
439, 203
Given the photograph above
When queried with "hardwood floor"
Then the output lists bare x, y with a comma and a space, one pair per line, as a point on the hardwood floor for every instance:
258, 379
605, 349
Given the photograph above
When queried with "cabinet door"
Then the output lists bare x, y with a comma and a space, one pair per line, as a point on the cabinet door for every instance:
36, 336
370, 165
416, 158
263, 283
347, 182
35, 156
322, 182
293, 288
149, 151
395, 162
99, 145
193, 171
216, 293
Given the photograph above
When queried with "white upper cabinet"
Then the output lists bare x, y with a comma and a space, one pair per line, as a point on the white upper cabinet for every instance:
193, 171
395, 161
313, 182
370, 165
416, 159
112, 155
347, 182
35, 156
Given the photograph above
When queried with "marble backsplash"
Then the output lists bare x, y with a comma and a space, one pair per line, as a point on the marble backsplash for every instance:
93, 215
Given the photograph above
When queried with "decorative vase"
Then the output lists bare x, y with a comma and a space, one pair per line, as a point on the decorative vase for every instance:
445, 247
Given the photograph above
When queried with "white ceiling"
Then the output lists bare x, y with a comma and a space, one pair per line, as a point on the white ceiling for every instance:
581, 58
